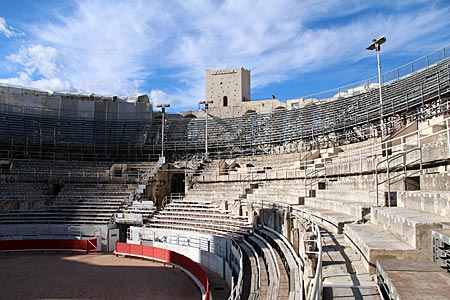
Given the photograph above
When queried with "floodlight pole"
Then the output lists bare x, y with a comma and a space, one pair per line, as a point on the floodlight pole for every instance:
206, 125
376, 45
163, 111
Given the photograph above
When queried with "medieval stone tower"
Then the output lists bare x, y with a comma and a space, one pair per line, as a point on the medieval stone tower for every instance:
227, 88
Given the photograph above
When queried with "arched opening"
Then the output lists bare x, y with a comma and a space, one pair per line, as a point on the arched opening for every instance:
225, 101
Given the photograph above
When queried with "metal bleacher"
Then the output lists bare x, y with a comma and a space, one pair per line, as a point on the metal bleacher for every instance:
404, 94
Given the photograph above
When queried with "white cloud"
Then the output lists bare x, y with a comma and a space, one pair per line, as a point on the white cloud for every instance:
39, 69
279, 39
160, 97
108, 47
8, 31
37, 59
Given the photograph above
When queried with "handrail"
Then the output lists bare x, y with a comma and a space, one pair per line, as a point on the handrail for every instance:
168, 199
144, 179
396, 74
369, 149
258, 266
313, 176
236, 292
315, 291
270, 262
402, 164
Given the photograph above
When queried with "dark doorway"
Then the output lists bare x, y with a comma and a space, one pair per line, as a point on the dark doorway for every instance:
177, 184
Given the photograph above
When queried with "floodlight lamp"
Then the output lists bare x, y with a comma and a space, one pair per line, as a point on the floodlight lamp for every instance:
162, 105
376, 43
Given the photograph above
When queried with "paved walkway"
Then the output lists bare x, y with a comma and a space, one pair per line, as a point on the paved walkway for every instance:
344, 276
219, 288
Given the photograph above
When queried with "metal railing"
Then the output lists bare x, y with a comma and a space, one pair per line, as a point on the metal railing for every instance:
315, 290
387, 77
312, 177
401, 165
168, 199
374, 152
148, 175
236, 290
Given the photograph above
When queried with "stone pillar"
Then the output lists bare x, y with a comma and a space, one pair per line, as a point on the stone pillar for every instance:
286, 225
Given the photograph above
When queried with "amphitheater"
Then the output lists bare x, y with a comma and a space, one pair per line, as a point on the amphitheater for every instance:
308, 201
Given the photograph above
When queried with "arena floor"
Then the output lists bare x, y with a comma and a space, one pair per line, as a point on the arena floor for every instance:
52, 276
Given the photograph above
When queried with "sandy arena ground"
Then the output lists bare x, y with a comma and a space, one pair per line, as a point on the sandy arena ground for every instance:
51, 276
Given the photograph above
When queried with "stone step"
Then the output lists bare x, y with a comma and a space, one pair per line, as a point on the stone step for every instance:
344, 276
332, 220
357, 210
437, 203
298, 191
276, 198
212, 195
432, 129
412, 280
411, 226
373, 243
365, 196
202, 217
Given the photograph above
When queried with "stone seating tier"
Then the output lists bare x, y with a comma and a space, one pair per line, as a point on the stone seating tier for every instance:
366, 197
359, 211
332, 220
373, 243
206, 224
224, 224
411, 226
189, 227
265, 250
437, 202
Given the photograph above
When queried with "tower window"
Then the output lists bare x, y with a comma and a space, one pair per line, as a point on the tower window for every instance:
225, 101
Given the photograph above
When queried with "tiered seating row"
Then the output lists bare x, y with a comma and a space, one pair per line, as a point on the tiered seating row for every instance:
36, 136
188, 215
252, 272
270, 279
289, 263
75, 204
59, 169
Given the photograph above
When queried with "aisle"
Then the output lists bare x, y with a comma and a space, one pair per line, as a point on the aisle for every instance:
344, 276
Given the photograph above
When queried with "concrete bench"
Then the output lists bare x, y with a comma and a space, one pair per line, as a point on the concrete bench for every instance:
332, 220
412, 280
437, 203
359, 211
373, 243
411, 226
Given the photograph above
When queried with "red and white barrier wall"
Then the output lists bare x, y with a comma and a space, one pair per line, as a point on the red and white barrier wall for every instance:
49, 244
190, 267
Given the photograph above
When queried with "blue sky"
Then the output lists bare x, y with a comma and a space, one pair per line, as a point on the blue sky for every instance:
162, 48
